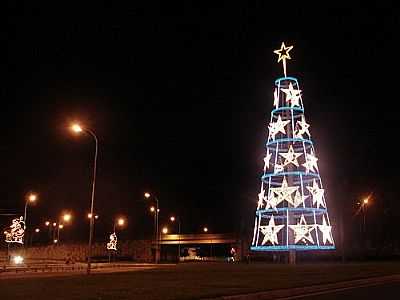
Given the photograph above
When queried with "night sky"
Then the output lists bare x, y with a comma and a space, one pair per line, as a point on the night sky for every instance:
180, 98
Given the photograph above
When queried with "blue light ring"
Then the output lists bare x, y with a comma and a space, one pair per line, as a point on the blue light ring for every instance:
299, 109
293, 247
288, 140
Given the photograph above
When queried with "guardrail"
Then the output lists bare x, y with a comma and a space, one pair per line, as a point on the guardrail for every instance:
60, 268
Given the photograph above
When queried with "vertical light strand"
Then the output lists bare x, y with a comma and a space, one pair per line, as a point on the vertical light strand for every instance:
315, 226
287, 227
255, 230
258, 228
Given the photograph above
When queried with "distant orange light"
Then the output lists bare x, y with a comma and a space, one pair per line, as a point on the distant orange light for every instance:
366, 201
37, 230
67, 217
165, 230
61, 226
54, 224
152, 209
32, 197
147, 195
172, 219
205, 229
47, 223
121, 222
76, 128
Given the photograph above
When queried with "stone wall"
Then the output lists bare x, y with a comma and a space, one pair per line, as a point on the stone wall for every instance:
138, 250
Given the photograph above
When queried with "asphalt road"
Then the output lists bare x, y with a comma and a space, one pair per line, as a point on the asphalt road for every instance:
381, 292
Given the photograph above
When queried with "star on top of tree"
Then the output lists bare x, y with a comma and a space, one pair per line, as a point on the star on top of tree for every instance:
271, 231
326, 231
302, 231
317, 194
283, 53
290, 157
292, 95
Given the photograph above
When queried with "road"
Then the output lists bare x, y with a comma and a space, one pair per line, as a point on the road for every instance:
381, 291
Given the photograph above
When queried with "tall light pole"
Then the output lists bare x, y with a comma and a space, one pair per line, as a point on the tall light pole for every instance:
173, 219
78, 129
156, 213
31, 198
364, 209
66, 218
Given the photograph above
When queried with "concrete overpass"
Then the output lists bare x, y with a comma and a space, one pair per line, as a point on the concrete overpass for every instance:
203, 238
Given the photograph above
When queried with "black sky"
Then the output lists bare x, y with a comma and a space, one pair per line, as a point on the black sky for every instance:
180, 96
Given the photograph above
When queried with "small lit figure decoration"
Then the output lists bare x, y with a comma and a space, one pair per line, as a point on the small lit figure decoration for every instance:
17, 231
112, 244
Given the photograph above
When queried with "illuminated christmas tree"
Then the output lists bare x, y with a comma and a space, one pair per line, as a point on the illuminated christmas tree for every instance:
291, 213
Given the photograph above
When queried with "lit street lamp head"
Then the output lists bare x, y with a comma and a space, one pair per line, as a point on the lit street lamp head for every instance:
152, 208
32, 197
37, 230
67, 217
120, 222
205, 229
47, 223
76, 128
54, 224
172, 219
165, 230
61, 226
366, 201
147, 195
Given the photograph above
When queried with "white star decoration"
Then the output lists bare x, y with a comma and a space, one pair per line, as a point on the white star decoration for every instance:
304, 128
317, 194
267, 159
270, 232
298, 199
291, 157
326, 231
261, 196
276, 98
292, 95
284, 192
273, 201
302, 231
278, 126
311, 162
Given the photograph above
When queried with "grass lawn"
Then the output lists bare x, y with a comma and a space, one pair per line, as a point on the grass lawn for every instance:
188, 281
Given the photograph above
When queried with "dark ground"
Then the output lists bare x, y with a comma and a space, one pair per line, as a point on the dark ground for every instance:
190, 281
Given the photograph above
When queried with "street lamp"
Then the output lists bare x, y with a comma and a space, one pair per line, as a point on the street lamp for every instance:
78, 129
173, 219
120, 222
90, 216
165, 230
156, 211
31, 198
66, 218
205, 229
364, 206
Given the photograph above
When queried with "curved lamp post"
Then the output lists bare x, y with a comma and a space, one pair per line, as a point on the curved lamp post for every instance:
78, 129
